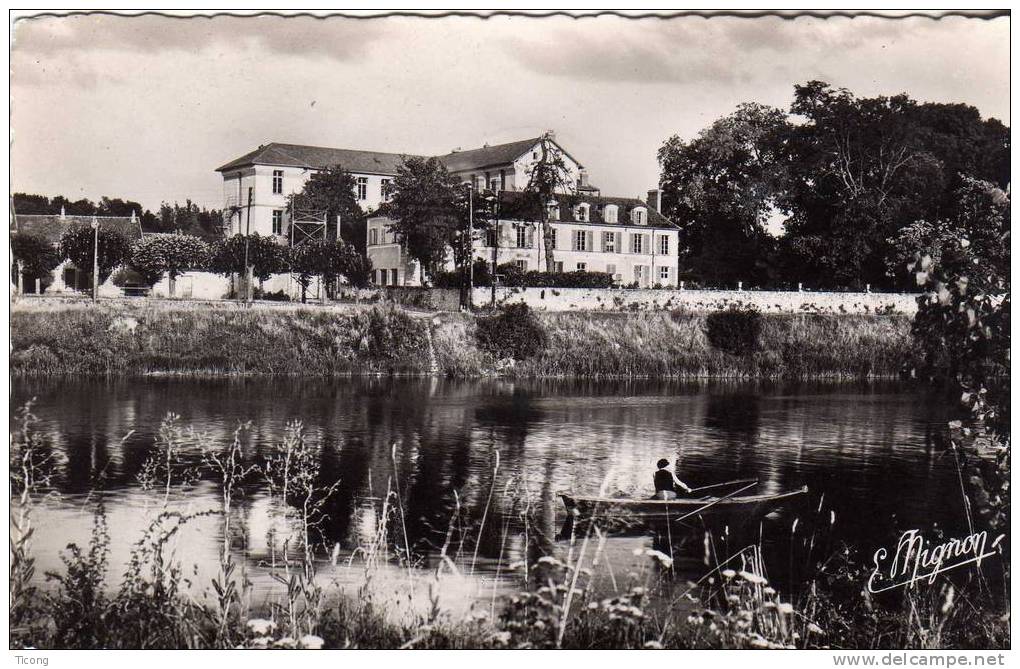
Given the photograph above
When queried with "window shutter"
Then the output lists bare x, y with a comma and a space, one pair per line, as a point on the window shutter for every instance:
531, 237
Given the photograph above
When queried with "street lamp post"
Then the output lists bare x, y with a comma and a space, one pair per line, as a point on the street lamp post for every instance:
95, 260
471, 248
247, 267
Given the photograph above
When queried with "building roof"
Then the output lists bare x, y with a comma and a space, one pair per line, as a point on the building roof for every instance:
318, 157
51, 226
597, 203
374, 162
487, 156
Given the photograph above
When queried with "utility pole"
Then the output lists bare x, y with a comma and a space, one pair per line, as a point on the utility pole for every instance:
247, 267
95, 260
471, 248
495, 247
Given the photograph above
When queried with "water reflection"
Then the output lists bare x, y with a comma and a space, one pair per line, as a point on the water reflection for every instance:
483, 461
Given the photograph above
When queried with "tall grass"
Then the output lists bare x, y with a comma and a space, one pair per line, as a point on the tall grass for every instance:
733, 605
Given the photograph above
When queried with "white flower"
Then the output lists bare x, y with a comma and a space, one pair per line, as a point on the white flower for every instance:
785, 608
728, 573
653, 645
752, 578
261, 626
814, 629
311, 642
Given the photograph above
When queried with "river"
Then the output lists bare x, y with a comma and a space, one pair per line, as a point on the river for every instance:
469, 458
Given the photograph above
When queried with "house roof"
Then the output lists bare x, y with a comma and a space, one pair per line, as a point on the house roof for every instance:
597, 203
318, 157
374, 162
487, 156
51, 226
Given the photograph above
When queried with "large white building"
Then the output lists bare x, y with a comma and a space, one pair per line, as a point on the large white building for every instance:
626, 237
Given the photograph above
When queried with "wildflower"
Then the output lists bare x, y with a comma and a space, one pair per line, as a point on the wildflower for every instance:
769, 590
728, 573
550, 560
785, 608
653, 645
517, 565
502, 638
261, 626
752, 578
285, 642
664, 560
814, 629
311, 642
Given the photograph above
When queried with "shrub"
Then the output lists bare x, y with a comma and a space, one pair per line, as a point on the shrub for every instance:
170, 254
513, 333
736, 331
513, 276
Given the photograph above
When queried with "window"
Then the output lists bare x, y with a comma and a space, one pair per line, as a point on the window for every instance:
393, 276
664, 245
382, 277
278, 221
490, 237
582, 266
385, 189
580, 240
581, 213
522, 237
373, 237
639, 216
554, 212
363, 189
637, 243
611, 269
522, 264
558, 266
277, 181
495, 184
609, 214
640, 276
609, 242
664, 273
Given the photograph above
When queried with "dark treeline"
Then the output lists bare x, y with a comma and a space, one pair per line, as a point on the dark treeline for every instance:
188, 218
858, 183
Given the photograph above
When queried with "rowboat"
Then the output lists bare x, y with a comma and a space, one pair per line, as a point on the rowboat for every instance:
730, 509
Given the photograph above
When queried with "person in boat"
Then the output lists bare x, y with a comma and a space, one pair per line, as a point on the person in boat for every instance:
667, 485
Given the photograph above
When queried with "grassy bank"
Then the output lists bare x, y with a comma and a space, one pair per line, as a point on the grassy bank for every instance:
135, 338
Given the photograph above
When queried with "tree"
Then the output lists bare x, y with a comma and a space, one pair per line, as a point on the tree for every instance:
265, 256
722, 187
427, 211
329, 260
190, 219
35, 258
171, 254
547, 176
333, 191
963, 328
78, 245
865, 168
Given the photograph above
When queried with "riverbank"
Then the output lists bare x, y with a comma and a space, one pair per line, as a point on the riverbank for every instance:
136, 337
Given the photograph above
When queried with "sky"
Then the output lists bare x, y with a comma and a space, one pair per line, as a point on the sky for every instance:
147, 107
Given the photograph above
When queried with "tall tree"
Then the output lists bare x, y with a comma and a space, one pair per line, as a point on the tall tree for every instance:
333, 191
265, 256
547, 176
722, 187
427, 211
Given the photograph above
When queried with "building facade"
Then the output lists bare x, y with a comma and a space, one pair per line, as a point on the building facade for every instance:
625, 237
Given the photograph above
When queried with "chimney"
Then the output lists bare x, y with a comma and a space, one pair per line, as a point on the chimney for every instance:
582, 178
550, 134
655, 199
133, 219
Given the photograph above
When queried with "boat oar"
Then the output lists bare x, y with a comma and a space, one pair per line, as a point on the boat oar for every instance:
714, 502
720, 485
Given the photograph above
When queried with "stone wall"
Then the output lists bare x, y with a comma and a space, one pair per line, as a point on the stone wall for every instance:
610, 299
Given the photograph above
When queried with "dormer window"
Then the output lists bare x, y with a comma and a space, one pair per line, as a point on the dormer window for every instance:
553, 210
609, 214
639, 216
581, 213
